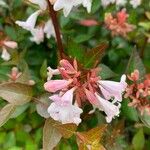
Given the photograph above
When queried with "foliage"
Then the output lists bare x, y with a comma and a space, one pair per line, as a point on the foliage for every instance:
24, 120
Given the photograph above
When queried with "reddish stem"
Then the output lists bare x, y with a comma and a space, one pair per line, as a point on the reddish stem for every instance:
53, 16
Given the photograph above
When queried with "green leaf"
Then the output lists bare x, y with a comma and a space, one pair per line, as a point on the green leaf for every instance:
145, 118
129, 112
51, 136
43, 70
82, 38
94, 55
145, 25
16, 93
135, 62
5, 113
106, 72
75, 51
19, 110
138, 140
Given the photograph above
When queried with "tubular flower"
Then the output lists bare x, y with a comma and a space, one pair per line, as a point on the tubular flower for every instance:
38, 31
37, 35
42, 3
139, 92
5, 55
118, 25
134, 3
75, 87
68, 5
6, 44
29, 24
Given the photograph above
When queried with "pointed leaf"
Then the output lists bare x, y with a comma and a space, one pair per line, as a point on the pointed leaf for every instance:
135, 62
67, 130
51, 136
16, 93
5, 113
138, 140
43, 104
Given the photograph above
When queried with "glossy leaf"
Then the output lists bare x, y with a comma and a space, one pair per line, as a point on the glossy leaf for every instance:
5, 113
51, 136
16, 93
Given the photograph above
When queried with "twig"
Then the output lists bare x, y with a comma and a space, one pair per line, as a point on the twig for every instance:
53, 16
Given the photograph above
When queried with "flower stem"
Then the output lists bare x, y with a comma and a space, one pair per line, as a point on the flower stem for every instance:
53, 16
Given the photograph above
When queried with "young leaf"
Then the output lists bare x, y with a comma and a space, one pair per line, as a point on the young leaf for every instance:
67, 130
5, 113
94, 55
16, 93
106, 72
92, 137
51, 136
135, 62
138, 140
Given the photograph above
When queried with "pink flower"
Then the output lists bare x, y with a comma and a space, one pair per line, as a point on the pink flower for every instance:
15, 74
89, 22
118, 25
62, 109
65, 114
111, 89
55, 85
91, 97
109, 108
63, 98
10, 44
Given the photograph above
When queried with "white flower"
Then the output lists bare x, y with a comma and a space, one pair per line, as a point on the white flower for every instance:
65, 114
37, 35
42, 3
29, 24
135, 3
52, 72
111, 89
109, 108
121, 2
105, 3
87, 4
66, 5
49, 29
62, 109
5, 55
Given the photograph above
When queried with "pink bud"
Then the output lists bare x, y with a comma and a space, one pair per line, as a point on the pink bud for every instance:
55, 85
10, 44
91, 97
88, 22
67, 66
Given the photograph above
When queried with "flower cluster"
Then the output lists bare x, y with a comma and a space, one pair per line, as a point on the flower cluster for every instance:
75, 87
7, 44
118, 25
48, 28
134, 3
139, 93
38, 31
